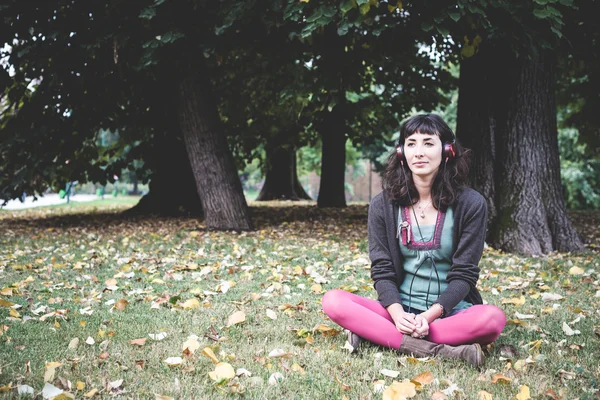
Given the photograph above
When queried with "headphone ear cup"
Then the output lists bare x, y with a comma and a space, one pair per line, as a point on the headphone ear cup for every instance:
449, 151
400, 153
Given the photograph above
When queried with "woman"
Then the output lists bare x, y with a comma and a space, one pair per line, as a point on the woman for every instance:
426, 237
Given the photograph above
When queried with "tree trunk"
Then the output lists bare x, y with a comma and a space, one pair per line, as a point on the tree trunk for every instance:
218, 183
281, 179
531, 209
476, 124
508, 117
172, 185
298, 189
333, 162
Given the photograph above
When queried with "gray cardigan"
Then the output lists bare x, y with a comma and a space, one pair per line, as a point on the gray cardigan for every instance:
470, 218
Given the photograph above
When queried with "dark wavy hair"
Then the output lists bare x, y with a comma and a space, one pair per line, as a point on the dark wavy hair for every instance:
447, 182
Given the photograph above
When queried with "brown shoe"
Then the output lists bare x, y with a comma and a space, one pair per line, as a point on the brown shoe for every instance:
354, 341
471, 353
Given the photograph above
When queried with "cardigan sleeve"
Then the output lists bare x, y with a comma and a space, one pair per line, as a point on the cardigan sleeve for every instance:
464, 273
383, 271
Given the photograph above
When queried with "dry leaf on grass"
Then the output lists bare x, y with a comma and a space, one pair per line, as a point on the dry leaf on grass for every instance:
523, 393
121, 304
400, 390
174, 361
275, 378
390, 373
190, 346
223, 372
576, 271
439, 396
499, 378
568, 331
190, 304
483, 395
157, 336
236, 318
207, 351
422, 379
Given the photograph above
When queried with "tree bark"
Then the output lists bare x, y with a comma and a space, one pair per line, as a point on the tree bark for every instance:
333, 162
531, 208
508, 117
172, 185
281, 178
217, 181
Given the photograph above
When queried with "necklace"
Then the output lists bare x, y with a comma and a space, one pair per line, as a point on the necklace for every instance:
423, 208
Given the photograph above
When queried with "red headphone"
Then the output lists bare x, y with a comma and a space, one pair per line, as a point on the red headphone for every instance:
448, 151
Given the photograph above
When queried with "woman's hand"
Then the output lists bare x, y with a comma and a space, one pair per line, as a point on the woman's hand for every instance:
422, 327
405, 322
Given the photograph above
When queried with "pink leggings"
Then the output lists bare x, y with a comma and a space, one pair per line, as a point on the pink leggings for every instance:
370, 320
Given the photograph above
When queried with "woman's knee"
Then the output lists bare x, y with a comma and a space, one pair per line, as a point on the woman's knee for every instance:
493, 319
333, 302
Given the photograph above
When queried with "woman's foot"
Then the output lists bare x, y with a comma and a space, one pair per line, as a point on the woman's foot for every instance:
353, 341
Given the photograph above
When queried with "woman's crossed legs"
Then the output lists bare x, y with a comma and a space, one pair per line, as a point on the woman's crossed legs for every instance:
370, 320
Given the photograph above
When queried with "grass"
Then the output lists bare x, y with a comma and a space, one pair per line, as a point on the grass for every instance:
86, 259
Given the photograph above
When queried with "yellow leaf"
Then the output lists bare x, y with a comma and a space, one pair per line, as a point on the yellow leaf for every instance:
422, 379
304, 1
190, 304
500, 378
91, 393
316, 288
516, 301
6, 303
223, 371
6, 292
236, 318
14, 313
190, 346
576, 271
4, 389
110, 282
400, 390
483, 395
162, 397
523, 393
80, 385
121, 304
207, 351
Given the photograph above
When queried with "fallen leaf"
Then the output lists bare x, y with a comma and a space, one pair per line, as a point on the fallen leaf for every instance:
24, 390
190, 304
243, 372
500, 378
439, 396
90, 340
279, 353
50, 391
91, 393
523, 393
236, 318
80, 385
400, 390
576, 271
162, 397
551, 297
50, 370
390, 373
74, 343
483, 395
422, 379
121, 304
207, 351
568, 331
174, 361
157, 336
6, 388
223, 371
115, 384
6, 303
272, 314
190, 346
138, 342
275, 378
518, 301
6, 292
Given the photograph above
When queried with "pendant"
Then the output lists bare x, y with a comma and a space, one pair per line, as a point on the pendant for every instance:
422, 213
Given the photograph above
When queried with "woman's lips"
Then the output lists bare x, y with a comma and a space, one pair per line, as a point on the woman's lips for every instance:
419, 164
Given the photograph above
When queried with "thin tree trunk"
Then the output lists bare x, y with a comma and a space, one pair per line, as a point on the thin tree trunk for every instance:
532, 217
218, 183
172, 185
281, 178
333, 162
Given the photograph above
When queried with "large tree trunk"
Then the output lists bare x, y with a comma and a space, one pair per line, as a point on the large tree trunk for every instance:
532, 214
333, 162
281, 179
516, 162
172, 185
218, 183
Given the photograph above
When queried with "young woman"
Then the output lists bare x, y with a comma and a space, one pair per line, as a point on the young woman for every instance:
426, 237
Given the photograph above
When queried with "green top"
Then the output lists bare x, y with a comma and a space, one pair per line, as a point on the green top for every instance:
418, 251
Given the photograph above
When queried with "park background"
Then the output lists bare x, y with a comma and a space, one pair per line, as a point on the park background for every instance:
226, 148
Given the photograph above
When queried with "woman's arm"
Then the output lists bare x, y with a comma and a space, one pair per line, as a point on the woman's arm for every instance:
383, 271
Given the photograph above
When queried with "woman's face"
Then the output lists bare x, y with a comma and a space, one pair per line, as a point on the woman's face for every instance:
424, 154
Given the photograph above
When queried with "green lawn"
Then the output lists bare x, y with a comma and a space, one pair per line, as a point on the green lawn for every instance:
103, 281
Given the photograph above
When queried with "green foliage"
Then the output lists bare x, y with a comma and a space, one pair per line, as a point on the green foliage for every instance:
580, 175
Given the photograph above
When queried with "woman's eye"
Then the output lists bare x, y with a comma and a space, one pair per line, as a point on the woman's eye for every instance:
429, 144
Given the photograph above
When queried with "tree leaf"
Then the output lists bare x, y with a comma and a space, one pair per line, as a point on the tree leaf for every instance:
223, 372
237, 317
